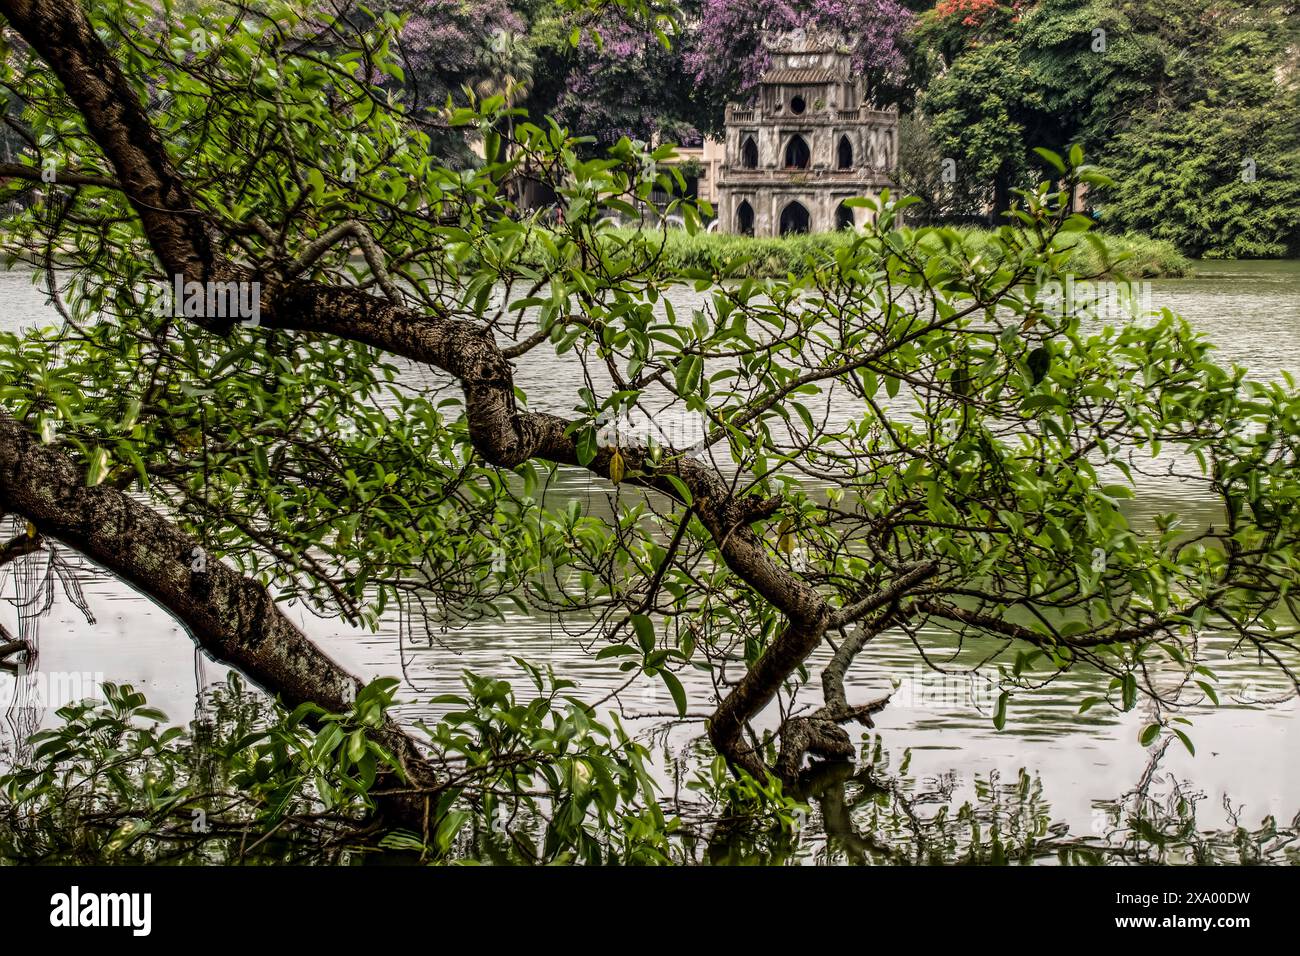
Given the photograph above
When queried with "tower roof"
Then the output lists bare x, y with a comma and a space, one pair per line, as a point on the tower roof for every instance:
806, 41
807, 58
803, 76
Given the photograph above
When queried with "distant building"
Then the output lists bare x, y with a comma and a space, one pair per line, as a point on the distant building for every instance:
706, 162
810, 141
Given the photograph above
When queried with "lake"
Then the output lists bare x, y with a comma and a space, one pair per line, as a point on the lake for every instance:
940, 725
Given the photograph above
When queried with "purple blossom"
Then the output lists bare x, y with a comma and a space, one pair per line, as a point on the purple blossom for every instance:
728, 49
624, 86
448, 36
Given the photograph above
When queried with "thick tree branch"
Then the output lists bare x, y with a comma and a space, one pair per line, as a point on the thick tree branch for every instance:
59, 31
229, 615
115, 116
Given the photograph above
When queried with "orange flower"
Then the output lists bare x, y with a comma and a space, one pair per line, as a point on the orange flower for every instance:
973, 12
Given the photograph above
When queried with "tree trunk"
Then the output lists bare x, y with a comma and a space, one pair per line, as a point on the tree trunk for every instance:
229, 615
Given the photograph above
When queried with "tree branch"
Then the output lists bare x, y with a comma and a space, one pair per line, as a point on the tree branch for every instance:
369, 249
229, 615
61, 177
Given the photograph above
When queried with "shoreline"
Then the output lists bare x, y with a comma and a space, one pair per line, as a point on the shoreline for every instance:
739, 257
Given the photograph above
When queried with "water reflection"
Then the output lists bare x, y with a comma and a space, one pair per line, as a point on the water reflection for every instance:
874, 814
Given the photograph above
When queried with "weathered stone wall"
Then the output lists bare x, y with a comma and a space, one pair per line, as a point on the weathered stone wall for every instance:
809, 92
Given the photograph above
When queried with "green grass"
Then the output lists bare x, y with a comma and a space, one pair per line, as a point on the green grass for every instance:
732, 256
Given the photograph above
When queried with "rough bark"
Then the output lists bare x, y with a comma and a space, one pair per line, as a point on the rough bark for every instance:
60, 32
231, 616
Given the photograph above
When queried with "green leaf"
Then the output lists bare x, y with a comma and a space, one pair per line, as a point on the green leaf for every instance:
645, 632
448, 828
316, 180
1000, 711
1039, 362
1053, 159
614, 650
356, 745
680, 487
97, 470
677, 690
587, 446
1129, 687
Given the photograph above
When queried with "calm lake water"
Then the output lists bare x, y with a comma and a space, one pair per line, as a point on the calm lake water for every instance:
1244, 748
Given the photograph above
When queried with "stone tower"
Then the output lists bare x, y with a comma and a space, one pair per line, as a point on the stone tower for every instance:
809, 141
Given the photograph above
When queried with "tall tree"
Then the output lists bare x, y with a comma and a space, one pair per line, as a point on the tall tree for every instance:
1213, 161
623, 77
981, 111
968, 493
1144, 85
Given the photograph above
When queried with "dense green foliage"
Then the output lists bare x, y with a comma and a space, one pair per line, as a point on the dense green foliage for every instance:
731, 256
992, 441
251, 783
1192, 107
1219, 180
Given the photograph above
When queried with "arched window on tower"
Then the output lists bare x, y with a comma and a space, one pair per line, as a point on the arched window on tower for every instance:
745, 218
797, 154
749, 153
844, 218
794, 219
844, 154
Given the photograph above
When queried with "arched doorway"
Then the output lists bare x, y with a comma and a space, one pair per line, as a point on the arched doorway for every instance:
797, 154
794, 219
844, 218
745, 218
844, 153
749, 153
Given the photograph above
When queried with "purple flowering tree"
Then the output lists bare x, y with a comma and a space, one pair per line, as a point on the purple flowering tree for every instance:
628, 84
448, 43
727, 51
